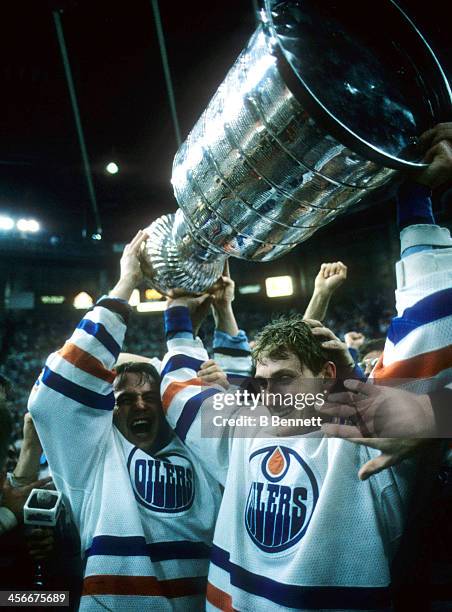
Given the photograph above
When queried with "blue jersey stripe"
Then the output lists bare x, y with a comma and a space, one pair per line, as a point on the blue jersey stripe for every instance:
77, 393
432, 308
300, 597
135, 546
100, 333
190, 411
177, 319
176, 362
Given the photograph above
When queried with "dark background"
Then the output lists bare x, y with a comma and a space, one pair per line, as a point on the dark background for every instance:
116, 64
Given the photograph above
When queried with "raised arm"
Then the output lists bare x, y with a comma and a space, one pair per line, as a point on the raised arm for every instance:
417, 351
329, 278
230, 344
72, 401
27, 468
186, 398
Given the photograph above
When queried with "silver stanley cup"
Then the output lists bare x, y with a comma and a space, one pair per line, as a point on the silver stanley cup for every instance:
319, 111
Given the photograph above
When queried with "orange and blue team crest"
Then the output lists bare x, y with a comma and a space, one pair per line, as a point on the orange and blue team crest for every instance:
281, 499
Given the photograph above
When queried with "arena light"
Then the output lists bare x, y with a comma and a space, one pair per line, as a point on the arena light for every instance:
247, 289
28, 226
112, 168
151, 307
152, 294
6, 223
278, 286
52, 299
135, 298
83, 301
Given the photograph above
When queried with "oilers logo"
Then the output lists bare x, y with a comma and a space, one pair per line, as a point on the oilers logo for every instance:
281, 500
162, 484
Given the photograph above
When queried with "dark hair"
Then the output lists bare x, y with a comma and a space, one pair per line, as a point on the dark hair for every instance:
5, 431
290, 334
145, 370
377, 344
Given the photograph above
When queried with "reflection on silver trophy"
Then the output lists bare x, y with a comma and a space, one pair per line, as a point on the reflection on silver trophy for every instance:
315, 115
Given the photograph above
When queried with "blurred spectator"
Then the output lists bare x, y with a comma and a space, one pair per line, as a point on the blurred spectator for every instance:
370, 352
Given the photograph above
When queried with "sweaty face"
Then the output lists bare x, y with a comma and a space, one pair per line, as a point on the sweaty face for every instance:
138, 412
283, 379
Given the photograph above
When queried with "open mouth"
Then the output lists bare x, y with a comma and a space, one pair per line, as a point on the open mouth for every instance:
141, 427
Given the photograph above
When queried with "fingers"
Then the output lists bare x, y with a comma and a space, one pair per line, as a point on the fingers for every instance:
333, 345
333, 269
212, 371
38, 484
341, 269
442, 131
141, 236
208, 364
337, 409
380, 463
439, 170
226, 272
313, 323
211, 377
364, 388
438, 150
344, 397
324, 332
202, 299
41, 543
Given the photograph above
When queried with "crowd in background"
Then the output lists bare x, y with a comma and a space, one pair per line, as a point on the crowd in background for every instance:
30, 337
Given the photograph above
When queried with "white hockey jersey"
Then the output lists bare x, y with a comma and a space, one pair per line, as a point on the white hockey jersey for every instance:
145, 522
297, 528
418, 349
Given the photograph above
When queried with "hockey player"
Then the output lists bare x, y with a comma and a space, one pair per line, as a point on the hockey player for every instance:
297, 529
144, 507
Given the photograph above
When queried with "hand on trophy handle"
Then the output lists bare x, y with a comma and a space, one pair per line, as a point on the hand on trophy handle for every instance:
438, 142
223, 292
131, 274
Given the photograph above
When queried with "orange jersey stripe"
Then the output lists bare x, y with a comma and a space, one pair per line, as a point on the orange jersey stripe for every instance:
425, 365
219, 599
174, 388
86, 362
144, 585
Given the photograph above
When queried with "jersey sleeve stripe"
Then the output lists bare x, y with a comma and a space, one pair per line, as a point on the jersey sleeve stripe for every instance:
157, 551
101, 334
433, 307
77, 393
425, 365
175, 387
219, 599
175, 362
294, 596
86, 362
143, 585
190, 412
232, 352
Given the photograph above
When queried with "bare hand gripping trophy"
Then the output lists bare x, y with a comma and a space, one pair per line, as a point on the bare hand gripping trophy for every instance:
319, 110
